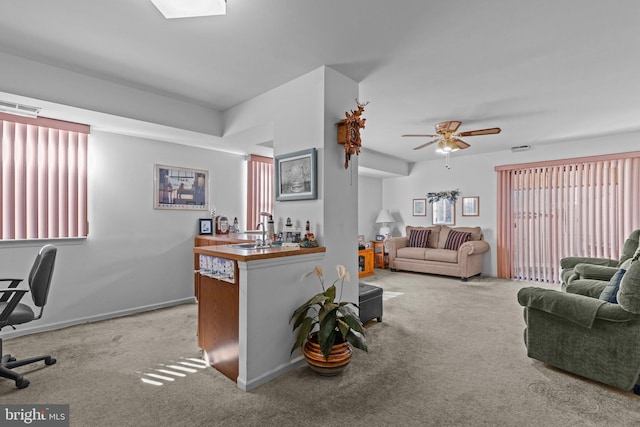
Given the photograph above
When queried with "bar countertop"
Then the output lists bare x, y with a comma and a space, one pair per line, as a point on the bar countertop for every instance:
240, 254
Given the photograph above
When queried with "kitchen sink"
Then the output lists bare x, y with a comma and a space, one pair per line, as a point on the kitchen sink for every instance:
247, 246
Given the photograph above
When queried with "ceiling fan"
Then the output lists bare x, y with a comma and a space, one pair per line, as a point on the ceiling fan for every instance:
448, 139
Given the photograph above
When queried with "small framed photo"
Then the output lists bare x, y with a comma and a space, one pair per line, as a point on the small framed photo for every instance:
471, 206
206, 226
419, 207
379, 237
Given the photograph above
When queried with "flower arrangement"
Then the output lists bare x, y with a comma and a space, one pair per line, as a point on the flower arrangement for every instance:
449, 195
336, 320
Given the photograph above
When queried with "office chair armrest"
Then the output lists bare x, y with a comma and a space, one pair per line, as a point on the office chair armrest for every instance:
13, 302
14, 283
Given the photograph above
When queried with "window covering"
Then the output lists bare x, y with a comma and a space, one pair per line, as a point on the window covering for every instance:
574, 207
43, 183
260, 194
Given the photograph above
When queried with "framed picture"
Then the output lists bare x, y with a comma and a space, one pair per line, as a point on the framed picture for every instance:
296, 176
444, 212
419, 207
471, 206
206, 226
180, 188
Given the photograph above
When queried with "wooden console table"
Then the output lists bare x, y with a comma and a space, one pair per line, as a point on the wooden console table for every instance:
365, 262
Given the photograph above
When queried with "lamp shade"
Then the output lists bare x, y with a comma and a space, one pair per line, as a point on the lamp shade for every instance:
384, 216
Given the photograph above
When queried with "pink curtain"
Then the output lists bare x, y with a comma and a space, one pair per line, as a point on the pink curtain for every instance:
43, 184
260, 193
574, 207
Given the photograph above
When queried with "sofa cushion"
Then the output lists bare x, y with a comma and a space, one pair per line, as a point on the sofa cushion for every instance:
476, 234
455, 239
418, 238
434, 232
443, 255
410, 253
629, 293
610, 291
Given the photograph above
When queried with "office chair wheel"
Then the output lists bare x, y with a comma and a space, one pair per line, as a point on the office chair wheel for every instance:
11, 359
22, 383
49, 361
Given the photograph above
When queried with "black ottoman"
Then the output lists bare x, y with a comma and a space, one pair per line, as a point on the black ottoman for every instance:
370, 302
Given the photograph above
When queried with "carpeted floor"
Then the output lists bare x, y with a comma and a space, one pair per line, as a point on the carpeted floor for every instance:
447, 353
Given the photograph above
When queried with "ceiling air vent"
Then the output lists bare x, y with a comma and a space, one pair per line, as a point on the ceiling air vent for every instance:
19, 109
520, 148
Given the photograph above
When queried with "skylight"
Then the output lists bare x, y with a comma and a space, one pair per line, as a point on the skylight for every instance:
190, 8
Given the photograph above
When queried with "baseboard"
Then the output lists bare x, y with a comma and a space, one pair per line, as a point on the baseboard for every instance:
96, 318
268, 376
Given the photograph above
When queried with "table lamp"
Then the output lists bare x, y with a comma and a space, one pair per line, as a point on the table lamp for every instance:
384, 218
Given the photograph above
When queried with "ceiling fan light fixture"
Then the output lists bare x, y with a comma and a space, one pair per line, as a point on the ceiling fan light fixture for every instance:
172, 9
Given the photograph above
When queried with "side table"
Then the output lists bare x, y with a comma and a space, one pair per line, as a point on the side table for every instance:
379, 254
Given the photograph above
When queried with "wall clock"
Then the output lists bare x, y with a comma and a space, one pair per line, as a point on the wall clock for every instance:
349, 132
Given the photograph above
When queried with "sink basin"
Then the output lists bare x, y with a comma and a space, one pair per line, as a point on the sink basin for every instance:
248, 246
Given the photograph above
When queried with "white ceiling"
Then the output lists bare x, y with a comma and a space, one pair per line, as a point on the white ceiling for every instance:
544, 71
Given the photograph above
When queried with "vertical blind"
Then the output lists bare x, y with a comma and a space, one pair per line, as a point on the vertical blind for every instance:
260, 193
574, 207
43, 182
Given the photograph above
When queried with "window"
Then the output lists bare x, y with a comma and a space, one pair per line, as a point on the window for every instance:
260, 195
574, 207
43, 183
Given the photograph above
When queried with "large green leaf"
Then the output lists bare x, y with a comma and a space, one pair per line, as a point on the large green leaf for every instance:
352, 319
316, 299
343, 327
327, 309
330, 293
357, 341
327, 343
303, 333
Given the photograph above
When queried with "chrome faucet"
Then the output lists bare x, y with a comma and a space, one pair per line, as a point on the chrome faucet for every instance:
260, 242
266, 240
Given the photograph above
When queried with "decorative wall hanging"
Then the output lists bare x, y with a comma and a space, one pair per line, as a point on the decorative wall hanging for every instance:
349, 132
296, 176
180, 188
451, 195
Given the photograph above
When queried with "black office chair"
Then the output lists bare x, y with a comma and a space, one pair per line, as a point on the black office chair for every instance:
12, 312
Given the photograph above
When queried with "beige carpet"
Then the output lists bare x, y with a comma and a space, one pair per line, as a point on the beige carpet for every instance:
447, 353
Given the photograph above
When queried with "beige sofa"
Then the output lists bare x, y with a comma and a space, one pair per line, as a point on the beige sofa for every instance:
464, 263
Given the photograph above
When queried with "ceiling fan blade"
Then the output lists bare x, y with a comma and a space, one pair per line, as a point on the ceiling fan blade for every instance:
426, 144
460, 143
479, 132
448, 126
419, 134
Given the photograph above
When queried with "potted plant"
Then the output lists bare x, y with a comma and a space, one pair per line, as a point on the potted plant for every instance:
328, 348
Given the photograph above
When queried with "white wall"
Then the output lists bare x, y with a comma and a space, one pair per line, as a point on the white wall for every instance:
369, 205
475, 176
135, 257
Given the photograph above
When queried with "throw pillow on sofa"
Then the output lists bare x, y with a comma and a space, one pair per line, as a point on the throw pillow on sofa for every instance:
455, 239
419, 238
610, 292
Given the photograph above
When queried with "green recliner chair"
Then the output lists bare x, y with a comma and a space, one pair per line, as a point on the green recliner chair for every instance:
587, 336
588, 276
